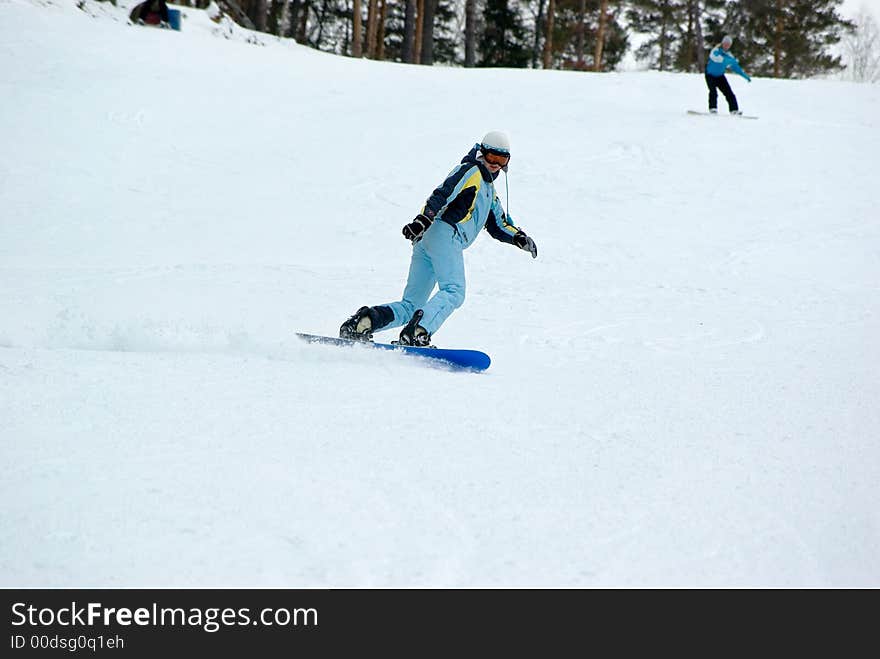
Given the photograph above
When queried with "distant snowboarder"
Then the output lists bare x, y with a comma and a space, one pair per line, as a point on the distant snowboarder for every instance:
453, 215
719, 61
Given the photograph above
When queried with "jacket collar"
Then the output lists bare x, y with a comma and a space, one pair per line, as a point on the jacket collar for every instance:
474, 157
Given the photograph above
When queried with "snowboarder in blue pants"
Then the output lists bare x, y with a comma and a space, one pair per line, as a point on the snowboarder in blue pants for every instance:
719, 61
453, 215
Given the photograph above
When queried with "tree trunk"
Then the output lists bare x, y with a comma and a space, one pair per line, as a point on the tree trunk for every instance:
409, 32
470, 33
372, 20
276, 11
303, 21
239, 15
548, 40
539, 27
257, 14
600, 35
698, 32
356, 29
380, 36
417, 47
428, 33
293, 14
664, 43
777, 38
321, 20
581, 29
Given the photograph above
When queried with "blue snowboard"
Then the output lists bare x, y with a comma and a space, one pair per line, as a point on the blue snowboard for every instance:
466, 360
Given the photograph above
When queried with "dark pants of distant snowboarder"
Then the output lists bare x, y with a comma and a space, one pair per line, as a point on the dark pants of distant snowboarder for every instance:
720, 82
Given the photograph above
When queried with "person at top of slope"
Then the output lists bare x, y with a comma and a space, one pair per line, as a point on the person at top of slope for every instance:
150, 12
719, 61
449, 223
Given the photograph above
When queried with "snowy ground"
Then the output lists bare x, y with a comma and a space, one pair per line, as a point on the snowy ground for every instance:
684, 388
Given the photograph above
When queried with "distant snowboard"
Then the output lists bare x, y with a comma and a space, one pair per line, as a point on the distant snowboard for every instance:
719, 114
466, 360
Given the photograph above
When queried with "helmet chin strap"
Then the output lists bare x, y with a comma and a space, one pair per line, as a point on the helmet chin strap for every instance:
506, 193
506, 183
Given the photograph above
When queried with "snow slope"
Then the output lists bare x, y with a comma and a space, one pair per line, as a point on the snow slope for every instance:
684, 388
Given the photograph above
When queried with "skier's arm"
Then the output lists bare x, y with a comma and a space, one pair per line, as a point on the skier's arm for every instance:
734, 66
502, 228
499, 226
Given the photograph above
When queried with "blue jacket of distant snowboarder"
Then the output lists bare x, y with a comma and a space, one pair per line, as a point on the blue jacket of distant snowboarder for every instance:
720, 60
467, 201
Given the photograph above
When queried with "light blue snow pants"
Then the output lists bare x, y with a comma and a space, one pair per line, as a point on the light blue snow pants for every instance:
437, 259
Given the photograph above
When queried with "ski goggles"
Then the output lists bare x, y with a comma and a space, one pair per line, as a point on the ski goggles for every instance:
495, 158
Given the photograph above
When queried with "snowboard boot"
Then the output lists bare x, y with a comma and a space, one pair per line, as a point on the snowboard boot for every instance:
713, 110
414, 334
359, 327
365, 321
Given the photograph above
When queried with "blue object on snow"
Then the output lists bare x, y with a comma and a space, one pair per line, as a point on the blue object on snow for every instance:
466, 360
174, 18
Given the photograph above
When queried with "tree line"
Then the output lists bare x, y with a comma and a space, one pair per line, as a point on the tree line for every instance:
776, 38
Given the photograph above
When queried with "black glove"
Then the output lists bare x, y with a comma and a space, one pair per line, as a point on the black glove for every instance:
522, 241
415, 229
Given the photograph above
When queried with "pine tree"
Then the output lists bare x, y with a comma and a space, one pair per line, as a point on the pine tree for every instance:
680, 32
787, 38
357, 29
575, 28
276, 11
661, 21
426, 54
447, 35
470, 33
445, 40
504, 41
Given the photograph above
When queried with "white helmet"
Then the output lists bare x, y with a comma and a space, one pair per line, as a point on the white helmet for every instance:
496, 142
727, 41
